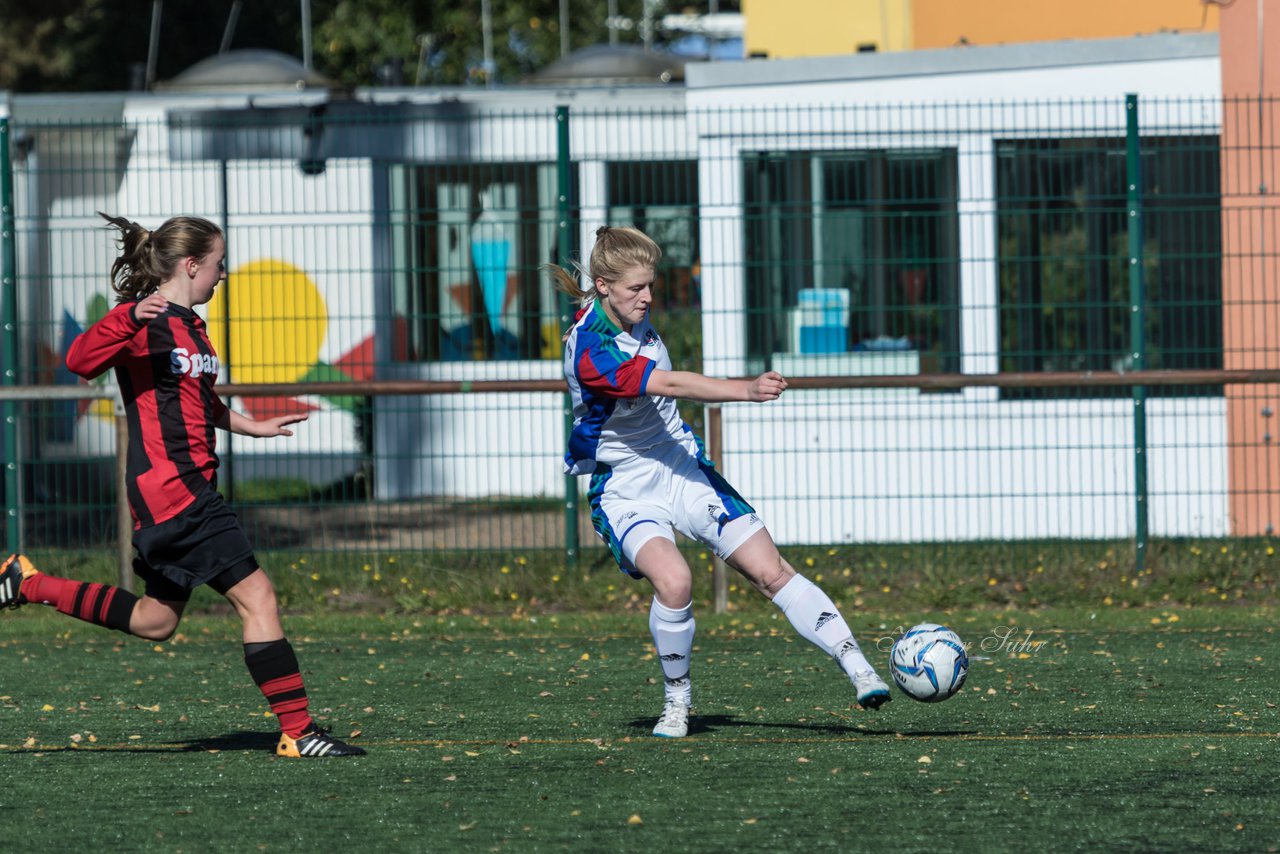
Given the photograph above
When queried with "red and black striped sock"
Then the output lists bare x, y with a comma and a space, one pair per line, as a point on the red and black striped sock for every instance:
274, 669
100, 604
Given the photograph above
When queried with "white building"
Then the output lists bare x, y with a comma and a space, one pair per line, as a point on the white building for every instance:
839, 216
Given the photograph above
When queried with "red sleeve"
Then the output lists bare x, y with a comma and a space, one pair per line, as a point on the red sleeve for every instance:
612, 379
104, 344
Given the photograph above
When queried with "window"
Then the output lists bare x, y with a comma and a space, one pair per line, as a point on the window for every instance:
1063, 257
661, 199
467, 244
853, 252
469, 241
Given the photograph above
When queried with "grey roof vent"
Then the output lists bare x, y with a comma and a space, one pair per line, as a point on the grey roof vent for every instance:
249, 70
610, 65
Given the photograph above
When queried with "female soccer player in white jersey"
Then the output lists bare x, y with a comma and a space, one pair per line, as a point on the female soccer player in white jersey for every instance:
649, 473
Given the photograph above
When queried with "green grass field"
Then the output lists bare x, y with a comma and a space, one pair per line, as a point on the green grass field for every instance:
1087, 729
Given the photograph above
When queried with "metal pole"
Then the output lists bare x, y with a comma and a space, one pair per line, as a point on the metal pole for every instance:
564, 28
230, 30
153, 47
486, 34
124, 519
564, 249
9, 342
306, 34
719, 573
1137, 327
227, 468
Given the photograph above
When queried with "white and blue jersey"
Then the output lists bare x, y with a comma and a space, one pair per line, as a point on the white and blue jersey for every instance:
649, 472
608, 372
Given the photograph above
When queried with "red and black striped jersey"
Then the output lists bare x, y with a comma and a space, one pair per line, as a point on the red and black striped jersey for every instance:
166, 370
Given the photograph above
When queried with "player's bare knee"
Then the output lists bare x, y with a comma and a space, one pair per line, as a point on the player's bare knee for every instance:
674, 593
256, 602
774, 579
264, 602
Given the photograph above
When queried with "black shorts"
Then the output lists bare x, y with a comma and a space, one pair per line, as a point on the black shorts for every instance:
204, 544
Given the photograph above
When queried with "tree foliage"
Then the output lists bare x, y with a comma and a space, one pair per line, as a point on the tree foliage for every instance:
103, 45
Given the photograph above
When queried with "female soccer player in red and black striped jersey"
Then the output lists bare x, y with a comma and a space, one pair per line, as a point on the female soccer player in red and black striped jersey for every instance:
184, 533
650, 475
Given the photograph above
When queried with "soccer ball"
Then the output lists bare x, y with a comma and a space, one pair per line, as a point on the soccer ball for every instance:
929, 662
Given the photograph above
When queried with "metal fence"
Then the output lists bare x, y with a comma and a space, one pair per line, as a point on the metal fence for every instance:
1009, 322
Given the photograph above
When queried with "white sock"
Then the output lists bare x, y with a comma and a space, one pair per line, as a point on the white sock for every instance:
818, 621
672, 630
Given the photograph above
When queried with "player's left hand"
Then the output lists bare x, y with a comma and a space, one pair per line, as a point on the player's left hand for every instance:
268, 427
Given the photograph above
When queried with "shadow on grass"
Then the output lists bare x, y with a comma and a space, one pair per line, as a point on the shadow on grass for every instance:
708, 724
242, 740
232, 741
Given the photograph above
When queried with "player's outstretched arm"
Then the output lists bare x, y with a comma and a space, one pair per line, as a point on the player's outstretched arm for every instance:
692, 386
264, 429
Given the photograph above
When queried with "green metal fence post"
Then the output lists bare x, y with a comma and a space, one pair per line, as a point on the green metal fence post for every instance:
1137, 326
564, 244
227, 455
9, 341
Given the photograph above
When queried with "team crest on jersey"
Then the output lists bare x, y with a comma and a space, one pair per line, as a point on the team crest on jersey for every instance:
183, 362
650, 339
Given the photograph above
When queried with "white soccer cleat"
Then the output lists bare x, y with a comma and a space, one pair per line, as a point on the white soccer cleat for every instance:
674, 721
872, 690
315, 744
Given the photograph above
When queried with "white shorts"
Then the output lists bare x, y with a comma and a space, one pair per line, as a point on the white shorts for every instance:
669, 488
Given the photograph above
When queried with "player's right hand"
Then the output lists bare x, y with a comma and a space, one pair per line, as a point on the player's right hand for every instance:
768, 386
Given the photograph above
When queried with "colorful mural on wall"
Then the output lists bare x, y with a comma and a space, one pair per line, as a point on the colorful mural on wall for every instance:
281, 322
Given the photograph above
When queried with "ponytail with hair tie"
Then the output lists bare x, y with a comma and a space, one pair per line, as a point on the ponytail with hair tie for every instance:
147, 258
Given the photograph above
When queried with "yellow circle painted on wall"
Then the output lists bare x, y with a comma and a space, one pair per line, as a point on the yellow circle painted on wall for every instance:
278, 322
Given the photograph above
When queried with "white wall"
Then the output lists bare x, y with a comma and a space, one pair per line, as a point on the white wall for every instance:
891, 466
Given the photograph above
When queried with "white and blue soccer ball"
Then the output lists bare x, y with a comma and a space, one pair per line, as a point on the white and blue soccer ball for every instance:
929, 662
